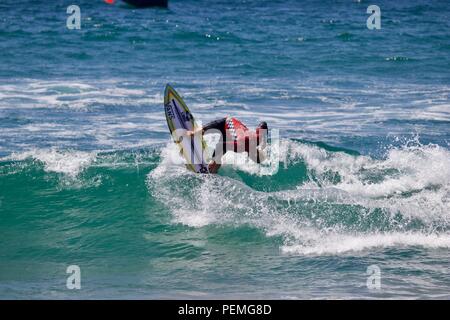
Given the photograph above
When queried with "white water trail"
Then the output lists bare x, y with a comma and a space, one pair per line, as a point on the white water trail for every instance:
401, 200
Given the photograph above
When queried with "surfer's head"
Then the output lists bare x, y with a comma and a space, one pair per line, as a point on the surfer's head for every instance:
262, 125
262, 131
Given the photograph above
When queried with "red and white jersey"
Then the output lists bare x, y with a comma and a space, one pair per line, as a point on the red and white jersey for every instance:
235, 129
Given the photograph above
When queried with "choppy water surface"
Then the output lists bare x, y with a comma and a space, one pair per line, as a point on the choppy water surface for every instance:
86, 164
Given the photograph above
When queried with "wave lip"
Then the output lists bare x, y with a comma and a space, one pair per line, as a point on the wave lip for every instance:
70, 163
345, 243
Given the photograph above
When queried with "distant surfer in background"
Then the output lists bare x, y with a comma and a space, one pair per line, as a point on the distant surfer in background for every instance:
236, 137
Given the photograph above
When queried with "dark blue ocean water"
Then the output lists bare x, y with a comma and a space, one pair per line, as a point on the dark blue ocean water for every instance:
85, 171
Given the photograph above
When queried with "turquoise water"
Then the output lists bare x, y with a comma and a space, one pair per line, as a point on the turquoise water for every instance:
87, 172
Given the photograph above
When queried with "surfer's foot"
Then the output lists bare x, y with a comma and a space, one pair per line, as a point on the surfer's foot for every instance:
213, 167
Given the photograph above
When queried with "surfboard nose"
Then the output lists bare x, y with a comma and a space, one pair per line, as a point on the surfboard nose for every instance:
168, 87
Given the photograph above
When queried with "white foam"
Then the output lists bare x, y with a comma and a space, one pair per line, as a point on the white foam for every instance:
344, 243
412, 168
74, 95
70, 163
412, 181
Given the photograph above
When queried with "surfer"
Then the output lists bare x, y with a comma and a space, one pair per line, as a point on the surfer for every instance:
236, 137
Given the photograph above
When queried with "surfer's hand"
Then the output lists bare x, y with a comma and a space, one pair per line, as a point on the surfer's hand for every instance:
191, 133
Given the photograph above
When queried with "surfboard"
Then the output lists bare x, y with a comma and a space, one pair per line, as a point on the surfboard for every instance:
180, 119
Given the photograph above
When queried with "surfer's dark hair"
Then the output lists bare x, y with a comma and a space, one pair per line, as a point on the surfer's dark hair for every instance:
263, 125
